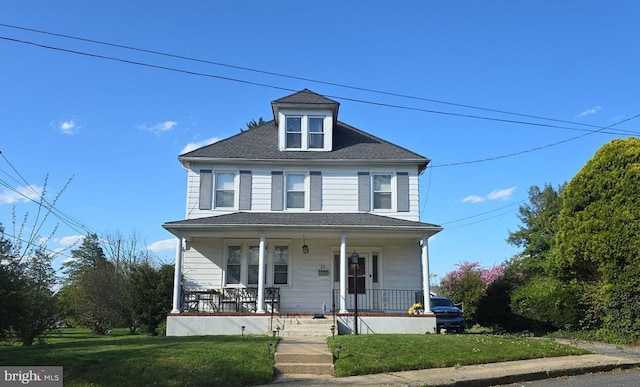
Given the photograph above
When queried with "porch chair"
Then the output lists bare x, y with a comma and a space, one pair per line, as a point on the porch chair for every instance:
190, 301
247, 299
228, 296
272, 298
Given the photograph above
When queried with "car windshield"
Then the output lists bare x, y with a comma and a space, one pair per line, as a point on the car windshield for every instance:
441, 302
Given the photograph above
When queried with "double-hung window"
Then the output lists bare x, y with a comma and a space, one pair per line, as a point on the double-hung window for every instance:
294, 132
295, 190
234, 264
382, 192
315, 138
281, 265
225, 189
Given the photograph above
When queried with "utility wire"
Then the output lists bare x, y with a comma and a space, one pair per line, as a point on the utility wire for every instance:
61, 215
532, 149
369, 90
361, 101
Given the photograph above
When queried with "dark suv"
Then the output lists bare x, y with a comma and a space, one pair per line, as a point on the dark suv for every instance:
448, 316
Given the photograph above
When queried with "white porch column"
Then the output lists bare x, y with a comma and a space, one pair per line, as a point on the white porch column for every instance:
177, 278
261, 274
343, 275
426, 286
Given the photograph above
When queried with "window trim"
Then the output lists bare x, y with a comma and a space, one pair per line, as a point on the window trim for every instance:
392, 192
305, 116
216, 189
245, 246
305, 190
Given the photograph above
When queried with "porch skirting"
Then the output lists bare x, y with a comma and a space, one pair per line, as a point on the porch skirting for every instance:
199, 324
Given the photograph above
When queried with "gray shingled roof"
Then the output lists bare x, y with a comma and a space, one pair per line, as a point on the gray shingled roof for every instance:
349, 143
297, 220
305, 96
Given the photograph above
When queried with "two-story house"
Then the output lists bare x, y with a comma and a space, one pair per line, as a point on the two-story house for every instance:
303, 215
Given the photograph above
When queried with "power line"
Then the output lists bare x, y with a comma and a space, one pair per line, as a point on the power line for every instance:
306, 79
531, 149
65, 218
483, 213
260, 84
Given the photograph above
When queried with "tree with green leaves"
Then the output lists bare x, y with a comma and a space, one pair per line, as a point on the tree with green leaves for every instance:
93, 294
598, 241
28, 304
149, 295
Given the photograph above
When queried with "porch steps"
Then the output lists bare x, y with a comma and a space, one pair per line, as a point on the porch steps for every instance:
303, 356
303, 326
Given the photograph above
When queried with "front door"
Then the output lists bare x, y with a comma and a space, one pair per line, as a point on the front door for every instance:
358, 283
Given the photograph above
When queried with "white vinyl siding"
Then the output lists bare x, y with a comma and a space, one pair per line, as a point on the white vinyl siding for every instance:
338, 191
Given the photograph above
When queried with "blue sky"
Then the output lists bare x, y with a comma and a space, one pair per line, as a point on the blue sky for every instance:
117, 128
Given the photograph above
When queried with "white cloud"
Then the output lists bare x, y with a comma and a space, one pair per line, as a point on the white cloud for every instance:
496, 194
591, 111
501, 194
195, 145
70, 240
473, 199
69, 127
159, 128
20, 194
163, 245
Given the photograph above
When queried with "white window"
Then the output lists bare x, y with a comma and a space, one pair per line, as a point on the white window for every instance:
281, 265
307, 130
234, 264
382, 192
225, 189
316, 133
243, 262
294, 133
295, 190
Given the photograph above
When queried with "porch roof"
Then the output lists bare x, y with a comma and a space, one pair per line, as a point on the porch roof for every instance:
321, 222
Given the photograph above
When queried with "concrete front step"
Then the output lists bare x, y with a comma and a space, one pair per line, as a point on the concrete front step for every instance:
302, 358
296, 326
303, 355
300, 369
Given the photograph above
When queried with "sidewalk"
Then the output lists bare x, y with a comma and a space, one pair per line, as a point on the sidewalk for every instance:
484, 374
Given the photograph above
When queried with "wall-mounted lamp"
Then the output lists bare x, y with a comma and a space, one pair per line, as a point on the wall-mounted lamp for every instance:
305, 248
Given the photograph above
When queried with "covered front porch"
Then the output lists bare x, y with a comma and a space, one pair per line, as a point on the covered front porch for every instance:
370, 270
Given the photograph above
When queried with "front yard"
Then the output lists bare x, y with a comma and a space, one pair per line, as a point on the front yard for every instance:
124, 360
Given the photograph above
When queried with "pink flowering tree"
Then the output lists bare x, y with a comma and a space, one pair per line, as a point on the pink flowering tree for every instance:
468, 283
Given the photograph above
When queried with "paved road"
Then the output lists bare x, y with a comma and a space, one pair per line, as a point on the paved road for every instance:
620, 378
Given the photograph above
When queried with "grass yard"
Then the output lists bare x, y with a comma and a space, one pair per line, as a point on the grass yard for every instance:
124, 360
120, 359
369, 354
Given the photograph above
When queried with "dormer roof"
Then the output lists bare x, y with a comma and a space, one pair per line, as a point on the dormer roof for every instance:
305, 99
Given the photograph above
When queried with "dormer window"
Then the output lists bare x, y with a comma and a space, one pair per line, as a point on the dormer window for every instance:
305, 121
294, 132
316, 133
306, 131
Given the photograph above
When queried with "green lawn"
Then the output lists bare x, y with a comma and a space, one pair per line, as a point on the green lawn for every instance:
124, 360
368, 354
120, 359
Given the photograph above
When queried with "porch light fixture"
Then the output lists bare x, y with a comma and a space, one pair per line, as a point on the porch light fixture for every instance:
305, 248
354, 259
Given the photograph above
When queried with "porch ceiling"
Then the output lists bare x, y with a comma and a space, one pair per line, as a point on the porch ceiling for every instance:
301, 223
